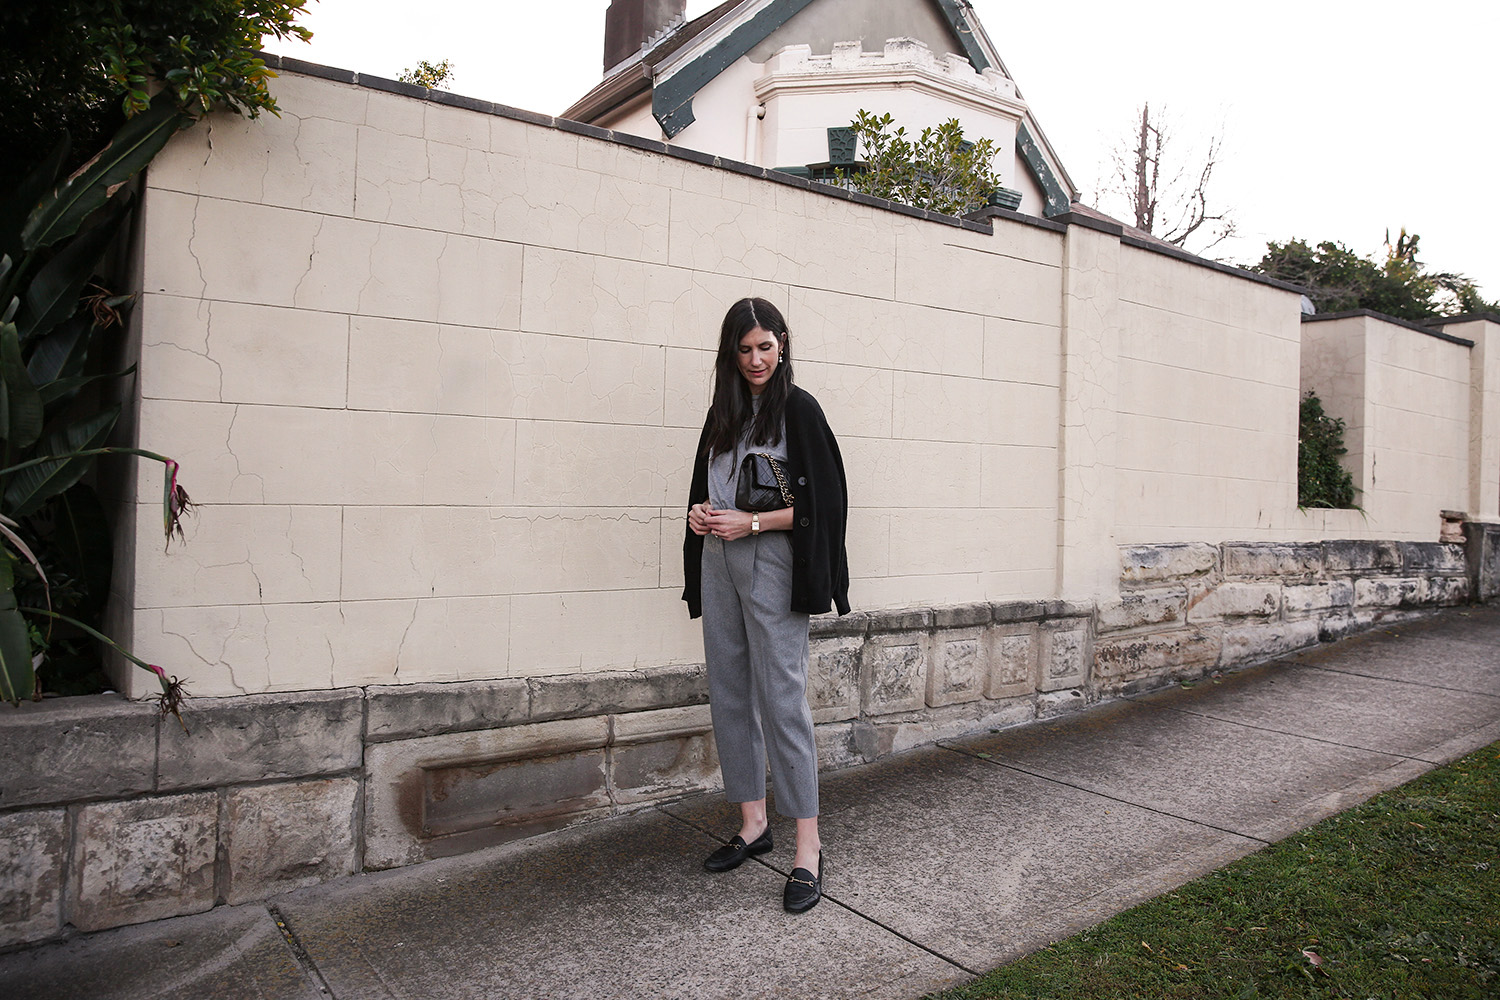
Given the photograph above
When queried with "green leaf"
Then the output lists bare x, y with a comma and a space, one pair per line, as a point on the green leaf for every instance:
52, 296
29, 488
17, 676
20, 404
62, 212
65, 389
62, 352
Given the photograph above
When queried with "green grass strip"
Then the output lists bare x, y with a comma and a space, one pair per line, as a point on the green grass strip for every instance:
1397, 898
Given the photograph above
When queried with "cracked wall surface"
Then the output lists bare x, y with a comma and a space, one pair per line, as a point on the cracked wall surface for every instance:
436, 376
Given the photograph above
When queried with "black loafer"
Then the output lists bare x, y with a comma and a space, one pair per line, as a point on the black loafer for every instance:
733, 854
803, 889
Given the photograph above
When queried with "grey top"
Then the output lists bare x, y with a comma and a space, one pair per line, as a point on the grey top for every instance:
724, 467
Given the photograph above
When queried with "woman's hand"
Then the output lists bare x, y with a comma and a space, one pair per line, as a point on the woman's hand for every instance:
698, 515
728, 525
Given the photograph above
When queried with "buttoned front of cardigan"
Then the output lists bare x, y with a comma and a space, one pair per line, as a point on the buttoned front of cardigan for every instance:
820, 510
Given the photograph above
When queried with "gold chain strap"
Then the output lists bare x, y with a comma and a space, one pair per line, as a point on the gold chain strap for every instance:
786, 493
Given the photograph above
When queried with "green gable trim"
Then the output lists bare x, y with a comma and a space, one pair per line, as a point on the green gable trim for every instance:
672, 99
1058, 201
953, 13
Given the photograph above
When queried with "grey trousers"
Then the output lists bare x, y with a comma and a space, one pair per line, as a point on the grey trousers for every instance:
757, 672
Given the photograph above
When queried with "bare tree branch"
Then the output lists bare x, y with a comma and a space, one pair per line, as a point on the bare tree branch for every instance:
1176, 209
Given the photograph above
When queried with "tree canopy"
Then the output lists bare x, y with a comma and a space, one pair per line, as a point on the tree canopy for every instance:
84, 66
428, 74
1338, 279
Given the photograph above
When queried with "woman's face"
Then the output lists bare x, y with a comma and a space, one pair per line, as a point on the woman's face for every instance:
758, 357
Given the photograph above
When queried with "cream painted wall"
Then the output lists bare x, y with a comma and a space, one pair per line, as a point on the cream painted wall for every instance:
1484, 416
436, 377
1207, 404
1404, 397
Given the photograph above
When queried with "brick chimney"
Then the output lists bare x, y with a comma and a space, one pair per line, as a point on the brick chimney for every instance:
628, 23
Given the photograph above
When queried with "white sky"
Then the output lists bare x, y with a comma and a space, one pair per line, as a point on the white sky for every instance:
1340, 118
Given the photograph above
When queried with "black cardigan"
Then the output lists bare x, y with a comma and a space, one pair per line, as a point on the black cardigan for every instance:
820, 566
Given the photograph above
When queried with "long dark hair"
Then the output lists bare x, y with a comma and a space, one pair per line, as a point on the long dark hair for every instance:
731, 407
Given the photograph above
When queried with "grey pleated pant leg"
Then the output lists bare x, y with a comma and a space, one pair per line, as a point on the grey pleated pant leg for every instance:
756, 649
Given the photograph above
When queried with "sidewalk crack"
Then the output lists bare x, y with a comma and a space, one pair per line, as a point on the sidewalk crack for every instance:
300, 953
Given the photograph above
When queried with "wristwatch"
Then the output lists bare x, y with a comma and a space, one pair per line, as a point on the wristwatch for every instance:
754, 524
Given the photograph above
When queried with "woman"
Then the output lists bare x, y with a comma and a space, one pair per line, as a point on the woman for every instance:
755, 577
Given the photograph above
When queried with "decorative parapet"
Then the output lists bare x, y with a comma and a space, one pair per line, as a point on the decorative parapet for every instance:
901, 59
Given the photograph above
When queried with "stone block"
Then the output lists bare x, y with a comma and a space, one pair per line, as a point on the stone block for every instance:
33, 846
575, 696
1388, 592
142, 860
1237, 600
1433, 559
1446, 591
893, 672
1246, 644
403, 711
827, 626
962, 615
1307, 599
447, 794
960, 666
1013, 660
1142, 565
833, 677
255, 737
1141, 608
900, 620
1482, 550
1187, 650
288, 836
1067, 609
1064, 654
876, 738
65, 749
663, 754
1007, 612
1289, 561
1050, 704
662, 724
1342, 624
1361, 556
836, 746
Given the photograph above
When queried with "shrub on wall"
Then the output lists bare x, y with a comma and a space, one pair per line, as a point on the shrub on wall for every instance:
1322, 480
940, 170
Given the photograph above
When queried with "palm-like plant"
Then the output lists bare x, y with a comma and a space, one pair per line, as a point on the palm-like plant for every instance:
55, 322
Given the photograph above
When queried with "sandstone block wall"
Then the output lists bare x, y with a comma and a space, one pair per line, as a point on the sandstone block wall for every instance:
1188, 608
112, 815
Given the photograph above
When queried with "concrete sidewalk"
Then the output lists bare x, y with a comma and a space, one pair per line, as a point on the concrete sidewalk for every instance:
941, 863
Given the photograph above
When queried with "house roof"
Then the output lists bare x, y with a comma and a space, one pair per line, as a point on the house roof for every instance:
679, 63
633, 77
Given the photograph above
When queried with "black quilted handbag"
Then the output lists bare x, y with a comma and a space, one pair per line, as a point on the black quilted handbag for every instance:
763, 484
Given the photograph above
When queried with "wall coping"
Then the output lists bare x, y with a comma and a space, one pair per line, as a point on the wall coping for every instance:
1392, 320
1488, 317
977, 222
